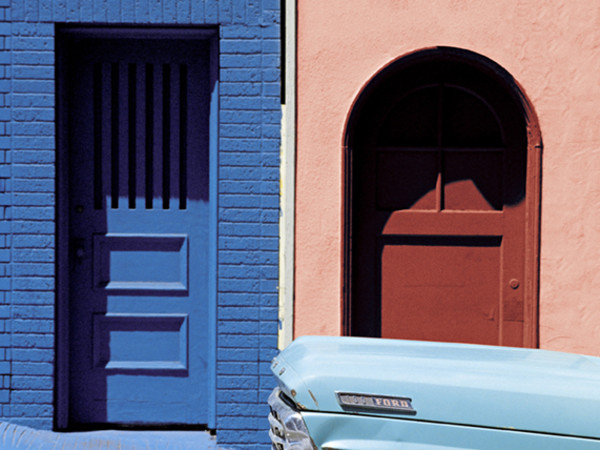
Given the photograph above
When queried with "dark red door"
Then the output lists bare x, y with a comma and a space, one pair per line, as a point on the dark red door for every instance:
438, 213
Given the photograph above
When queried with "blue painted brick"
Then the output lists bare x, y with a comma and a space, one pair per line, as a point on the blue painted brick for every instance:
32, 43
237, 354
33, 129
34, 241
245, 229
236, 396
32, 326
241, 423
211, 11
142, 11
236, 409
33, 72
33, 312
33, 298
34, 185
239, 271
127, 11
32, 382
237, 201
269, 300
32, 354
241, 130
245, 89
237, 144
29, 199
86, 10
30, 114
240, 61
169, 11
238, 341
155, 11
113, 11
42, 143
31, 410
233, 285
33, 28
238, 299
184, 11
236, 75
37, 86
236, 243
240, 327
33, 283
32, 341
33, 212
271, 46
30, 57
240, 46
32, 255
37, 423
239, 11
32, 269
32, 368
33, 170
30, 397
241, 215
225, 13
253, 117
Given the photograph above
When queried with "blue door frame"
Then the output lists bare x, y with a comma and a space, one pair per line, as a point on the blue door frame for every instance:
66, 258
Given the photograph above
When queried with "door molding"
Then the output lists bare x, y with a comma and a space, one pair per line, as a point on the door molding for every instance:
359, 114
63, 35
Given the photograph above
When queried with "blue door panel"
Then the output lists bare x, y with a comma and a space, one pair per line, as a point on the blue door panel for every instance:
139, 219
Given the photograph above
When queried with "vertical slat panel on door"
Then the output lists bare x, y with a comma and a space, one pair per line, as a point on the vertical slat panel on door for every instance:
140, 137
174, 141
158, 149
123, 134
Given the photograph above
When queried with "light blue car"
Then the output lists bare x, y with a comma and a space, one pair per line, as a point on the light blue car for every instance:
374, 394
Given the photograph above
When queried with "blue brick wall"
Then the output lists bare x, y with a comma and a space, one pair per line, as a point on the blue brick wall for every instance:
248, 199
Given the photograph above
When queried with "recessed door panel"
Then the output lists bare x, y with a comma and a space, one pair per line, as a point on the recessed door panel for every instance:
420, 301
138, 223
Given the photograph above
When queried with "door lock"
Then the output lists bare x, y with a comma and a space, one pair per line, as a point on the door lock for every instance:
78, 246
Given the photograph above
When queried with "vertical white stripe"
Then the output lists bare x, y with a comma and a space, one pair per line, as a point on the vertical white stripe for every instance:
287, 184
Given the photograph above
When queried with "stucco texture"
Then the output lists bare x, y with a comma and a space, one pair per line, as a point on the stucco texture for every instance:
551, 48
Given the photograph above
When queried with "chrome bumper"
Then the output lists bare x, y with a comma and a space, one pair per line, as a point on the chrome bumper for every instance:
288, 431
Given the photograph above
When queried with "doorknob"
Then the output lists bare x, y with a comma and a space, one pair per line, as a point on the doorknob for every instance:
78, 246
514, 283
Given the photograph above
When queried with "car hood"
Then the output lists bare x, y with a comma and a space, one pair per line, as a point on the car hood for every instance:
498, 387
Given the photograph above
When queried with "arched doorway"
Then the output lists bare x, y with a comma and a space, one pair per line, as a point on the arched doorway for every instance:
443, 162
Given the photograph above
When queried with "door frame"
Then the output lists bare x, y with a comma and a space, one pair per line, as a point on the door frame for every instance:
533, 176
63, 35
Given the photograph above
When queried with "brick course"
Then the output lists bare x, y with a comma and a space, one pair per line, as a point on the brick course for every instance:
248, 199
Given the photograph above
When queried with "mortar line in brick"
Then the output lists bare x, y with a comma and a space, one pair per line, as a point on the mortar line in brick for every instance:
11, 234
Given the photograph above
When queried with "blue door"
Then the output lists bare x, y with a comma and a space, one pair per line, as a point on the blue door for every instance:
139, 228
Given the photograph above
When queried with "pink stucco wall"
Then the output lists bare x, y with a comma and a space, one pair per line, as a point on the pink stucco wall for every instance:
552, 48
